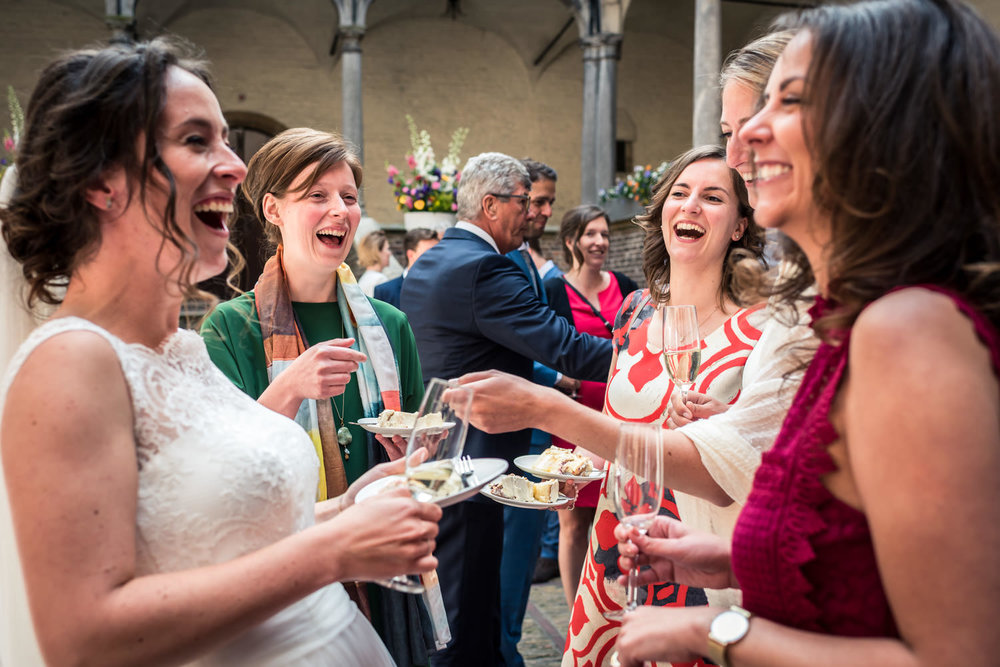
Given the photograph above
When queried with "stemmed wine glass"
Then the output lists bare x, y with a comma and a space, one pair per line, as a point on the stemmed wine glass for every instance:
637, 491
681, 346
440, 429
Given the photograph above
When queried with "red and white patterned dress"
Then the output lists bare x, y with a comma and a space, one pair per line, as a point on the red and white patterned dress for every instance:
639, 390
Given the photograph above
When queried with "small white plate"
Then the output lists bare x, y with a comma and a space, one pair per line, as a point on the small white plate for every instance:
370, 424
527, 462
486, 471
558, 504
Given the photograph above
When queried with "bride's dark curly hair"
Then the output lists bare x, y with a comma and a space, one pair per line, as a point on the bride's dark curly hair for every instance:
87, 114
901, 109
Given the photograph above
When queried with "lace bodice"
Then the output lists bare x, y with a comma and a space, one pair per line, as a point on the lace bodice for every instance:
219, 475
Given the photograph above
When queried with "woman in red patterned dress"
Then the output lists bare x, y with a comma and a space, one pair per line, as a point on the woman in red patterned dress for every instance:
697, 229
871, 534
589, 297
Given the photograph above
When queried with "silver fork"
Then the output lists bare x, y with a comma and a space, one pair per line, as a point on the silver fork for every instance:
465, 470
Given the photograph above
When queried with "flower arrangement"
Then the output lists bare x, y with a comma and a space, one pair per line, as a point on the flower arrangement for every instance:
426, 185
637, 186
11, 136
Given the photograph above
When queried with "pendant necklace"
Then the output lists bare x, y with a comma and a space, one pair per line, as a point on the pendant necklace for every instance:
344, 436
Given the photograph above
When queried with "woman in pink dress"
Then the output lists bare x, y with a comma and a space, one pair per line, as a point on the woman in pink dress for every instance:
871, 534
589, 297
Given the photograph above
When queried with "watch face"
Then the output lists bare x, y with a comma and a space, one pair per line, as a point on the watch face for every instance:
729, 626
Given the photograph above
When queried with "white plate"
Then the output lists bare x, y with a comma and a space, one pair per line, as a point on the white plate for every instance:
527, 462
561, 502
370, 424
486, 471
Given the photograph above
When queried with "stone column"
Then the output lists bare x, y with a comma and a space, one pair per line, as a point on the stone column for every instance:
707, 62
600, 103
588, 145
119, 16
353, 124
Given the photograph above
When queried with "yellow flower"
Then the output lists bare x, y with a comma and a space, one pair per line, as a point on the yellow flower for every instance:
419, 204
402, 200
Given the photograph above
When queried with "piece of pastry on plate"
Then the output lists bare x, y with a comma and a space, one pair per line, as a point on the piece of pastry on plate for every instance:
564, 462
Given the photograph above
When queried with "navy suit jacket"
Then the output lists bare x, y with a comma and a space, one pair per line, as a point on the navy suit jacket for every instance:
389, 291
473, 309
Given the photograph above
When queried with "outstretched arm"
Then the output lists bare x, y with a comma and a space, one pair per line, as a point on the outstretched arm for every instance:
503, 402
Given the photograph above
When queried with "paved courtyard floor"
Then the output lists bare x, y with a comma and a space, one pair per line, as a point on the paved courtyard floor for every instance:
544, 631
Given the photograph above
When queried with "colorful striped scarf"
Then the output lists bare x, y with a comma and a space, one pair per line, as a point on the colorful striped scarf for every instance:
378, 377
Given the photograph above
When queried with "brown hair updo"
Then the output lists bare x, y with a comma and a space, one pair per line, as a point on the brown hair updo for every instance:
85, 116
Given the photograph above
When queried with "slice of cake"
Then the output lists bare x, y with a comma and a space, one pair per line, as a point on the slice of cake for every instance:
515, 487
396, 419
546, 491
564, 462
399, 419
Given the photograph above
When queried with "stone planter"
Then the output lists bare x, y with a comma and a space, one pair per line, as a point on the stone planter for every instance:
622, 209
429, 219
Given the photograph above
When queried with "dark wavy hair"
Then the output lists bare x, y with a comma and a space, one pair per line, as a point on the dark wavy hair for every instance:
901, 104
743, 255
573, 224
86, 115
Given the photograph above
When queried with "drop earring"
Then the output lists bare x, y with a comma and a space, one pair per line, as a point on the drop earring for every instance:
109, 203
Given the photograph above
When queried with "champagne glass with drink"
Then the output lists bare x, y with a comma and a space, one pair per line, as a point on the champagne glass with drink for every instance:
681, 346
637, 491
440, 429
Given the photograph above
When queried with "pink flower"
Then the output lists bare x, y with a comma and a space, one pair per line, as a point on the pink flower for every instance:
8, 144
392, 171
409, 202
458, 177
435, 186
412, 161
454, 206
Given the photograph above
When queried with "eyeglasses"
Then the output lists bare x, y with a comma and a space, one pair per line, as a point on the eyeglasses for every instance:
524, 199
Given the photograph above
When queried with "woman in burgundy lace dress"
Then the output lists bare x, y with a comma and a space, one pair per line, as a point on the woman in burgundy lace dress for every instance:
871, 534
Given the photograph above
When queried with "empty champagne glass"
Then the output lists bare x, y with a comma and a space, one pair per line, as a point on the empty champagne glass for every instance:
637, 490
440, 429
681, 346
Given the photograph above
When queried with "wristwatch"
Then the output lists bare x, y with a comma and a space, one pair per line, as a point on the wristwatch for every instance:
727, 628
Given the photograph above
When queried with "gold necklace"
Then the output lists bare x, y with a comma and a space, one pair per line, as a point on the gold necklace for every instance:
344, 436
701, 325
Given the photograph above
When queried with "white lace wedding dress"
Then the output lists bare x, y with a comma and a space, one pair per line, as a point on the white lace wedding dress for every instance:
219, 476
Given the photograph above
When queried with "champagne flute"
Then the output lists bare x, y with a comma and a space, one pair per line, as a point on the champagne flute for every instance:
637, 491
440, 429
681, 346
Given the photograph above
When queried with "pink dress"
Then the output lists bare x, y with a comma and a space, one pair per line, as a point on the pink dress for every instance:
804, 558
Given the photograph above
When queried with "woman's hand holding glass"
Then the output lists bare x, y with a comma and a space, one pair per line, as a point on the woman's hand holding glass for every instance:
637, 491
670, 551
431, 452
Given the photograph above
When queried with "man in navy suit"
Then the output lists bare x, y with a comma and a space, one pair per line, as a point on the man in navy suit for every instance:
472, 308
522, 528
416, 242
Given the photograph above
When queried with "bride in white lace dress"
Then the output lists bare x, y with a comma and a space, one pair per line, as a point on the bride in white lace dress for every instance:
160, 515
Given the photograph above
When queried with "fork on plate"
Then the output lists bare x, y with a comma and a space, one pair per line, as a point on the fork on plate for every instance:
466, 470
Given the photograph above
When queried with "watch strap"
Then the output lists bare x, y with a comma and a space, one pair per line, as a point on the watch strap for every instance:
717, 648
